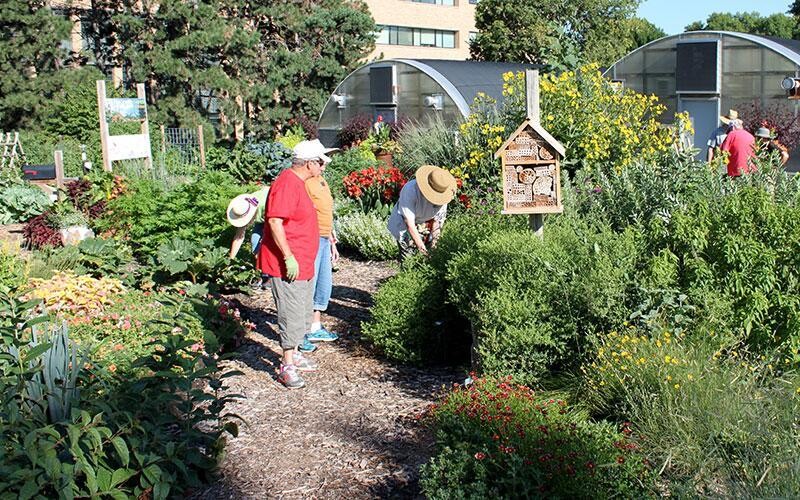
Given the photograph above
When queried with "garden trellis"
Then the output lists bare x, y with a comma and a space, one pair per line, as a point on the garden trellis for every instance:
12, 149
188, 144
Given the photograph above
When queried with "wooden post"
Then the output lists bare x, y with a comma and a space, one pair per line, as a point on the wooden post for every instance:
140, 93
532, 95
58, 159
101, 111
201, 142
535, 221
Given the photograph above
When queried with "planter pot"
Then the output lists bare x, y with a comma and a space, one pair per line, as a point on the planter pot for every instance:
75, 234
385, 159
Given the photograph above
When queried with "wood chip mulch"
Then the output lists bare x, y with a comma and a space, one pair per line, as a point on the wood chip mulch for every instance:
352, 432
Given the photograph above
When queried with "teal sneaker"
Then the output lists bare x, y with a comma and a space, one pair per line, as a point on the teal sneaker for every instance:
307, 346
322, 335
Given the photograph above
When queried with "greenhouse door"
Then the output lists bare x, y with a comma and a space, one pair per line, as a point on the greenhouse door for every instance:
704, 113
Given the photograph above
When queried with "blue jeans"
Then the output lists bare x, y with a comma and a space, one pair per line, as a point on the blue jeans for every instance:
255, 238
323, 275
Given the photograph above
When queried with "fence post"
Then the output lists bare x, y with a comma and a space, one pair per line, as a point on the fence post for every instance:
58, 159
202, 144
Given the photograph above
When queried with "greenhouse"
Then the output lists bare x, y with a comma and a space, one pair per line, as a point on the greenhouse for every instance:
415, 89
707, 73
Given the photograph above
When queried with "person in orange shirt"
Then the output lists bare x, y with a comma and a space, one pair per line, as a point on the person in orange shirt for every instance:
320, 194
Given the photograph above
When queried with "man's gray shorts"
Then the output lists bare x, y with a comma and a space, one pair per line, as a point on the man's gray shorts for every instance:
294, 301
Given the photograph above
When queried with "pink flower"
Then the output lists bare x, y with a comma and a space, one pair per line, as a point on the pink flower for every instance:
480, 455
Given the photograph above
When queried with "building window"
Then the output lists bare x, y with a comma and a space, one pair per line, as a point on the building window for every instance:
418, 37
437, 2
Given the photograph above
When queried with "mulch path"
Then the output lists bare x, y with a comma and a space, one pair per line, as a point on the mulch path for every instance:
351, 432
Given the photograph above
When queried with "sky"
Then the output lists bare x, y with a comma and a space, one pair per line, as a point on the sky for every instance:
673, 15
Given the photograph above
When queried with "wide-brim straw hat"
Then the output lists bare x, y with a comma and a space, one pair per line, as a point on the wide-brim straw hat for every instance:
436, 184
242, 210
732, 115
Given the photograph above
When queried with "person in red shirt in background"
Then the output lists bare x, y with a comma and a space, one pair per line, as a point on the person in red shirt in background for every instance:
740, 144
288, 253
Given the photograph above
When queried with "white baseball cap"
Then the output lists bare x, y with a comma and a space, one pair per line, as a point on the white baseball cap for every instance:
312, 150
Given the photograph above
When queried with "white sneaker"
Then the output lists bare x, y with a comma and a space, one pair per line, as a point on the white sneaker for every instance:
304, 364
290, 378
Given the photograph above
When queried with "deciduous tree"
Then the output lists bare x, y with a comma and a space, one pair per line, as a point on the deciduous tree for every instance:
779, 25
558, 33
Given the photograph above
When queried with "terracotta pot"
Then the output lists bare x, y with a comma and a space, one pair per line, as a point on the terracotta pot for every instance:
385, 159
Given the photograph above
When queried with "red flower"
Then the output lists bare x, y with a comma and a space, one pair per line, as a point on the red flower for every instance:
620, 459
480, 455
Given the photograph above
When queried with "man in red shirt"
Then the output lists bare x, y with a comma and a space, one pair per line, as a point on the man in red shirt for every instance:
740, 144
287, 255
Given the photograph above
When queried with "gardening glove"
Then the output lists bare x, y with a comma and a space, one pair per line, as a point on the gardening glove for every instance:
292, 268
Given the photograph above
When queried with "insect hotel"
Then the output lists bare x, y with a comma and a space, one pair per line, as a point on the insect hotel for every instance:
530, 161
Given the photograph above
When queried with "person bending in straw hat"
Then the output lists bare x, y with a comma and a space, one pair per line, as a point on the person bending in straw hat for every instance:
242, 211
767, 144
718, 135
423, 200
287, 255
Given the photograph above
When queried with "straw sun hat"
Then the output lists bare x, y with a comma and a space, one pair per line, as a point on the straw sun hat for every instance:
764, 133
437, 185
732, 115
242, 210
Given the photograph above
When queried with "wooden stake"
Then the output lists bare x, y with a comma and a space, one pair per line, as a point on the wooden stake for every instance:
535, 221
58, 159
148, 161
201, 142
532, 95
101, 111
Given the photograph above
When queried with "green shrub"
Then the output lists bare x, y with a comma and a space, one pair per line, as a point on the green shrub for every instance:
153, 436
645, 190
149, 216
531, 303
723, 422
124, 331
408, 316
737, 263
367, 234
251, 162
13, 270
498, 439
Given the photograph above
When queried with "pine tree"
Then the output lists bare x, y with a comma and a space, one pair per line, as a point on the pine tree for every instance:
30, 58
179, 49
308, 48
